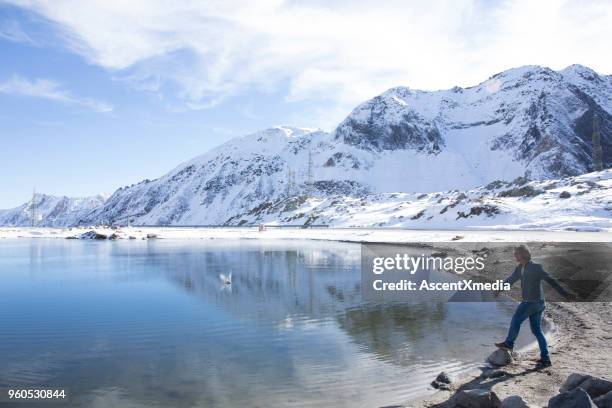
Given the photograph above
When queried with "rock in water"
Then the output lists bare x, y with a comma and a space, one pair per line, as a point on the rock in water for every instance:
515, 401
576, 398
478, 399
442, 381
92, 235
500, 357
605, 401
443, 378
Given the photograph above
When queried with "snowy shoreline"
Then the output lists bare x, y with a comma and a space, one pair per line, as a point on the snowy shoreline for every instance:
358, 235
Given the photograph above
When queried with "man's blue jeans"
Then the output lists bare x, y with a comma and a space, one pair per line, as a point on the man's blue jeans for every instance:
533, 311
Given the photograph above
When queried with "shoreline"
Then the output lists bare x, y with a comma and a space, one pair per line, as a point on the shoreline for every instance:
582, 330
360, 235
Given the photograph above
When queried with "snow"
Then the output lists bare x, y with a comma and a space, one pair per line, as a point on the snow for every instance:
532, 205
384, 235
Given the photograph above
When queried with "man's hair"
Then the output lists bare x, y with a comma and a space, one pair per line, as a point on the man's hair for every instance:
523, 252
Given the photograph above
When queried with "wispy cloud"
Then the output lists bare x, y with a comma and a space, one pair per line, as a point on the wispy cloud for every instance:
341, 51
51, 90
11, 30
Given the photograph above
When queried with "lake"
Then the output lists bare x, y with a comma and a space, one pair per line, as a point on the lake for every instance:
151, 324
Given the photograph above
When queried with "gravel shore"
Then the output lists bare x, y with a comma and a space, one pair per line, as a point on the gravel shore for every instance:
583, 345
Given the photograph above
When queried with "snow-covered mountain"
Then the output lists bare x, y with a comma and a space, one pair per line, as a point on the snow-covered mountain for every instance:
525, 121
576, 203
529, 122
51, 211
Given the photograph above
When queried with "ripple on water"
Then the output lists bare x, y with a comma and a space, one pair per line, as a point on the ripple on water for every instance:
151, 325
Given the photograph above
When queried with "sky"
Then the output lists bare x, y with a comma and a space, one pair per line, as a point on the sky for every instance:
99, 94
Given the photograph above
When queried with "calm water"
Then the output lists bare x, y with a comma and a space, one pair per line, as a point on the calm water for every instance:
149, 323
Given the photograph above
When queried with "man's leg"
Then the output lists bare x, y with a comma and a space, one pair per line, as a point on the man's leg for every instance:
535, 321
521, 313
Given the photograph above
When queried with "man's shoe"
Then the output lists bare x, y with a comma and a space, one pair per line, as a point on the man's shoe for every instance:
541, 363
504, 345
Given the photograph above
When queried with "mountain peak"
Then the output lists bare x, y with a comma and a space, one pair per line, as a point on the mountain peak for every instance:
293, 131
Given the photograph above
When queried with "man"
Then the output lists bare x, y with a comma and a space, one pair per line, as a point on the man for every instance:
532, 306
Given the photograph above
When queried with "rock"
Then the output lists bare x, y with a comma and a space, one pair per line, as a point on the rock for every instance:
477, 399
113, 236
151, 236
71, 237
442, 382
596, 387
514, 401
500, 357
131, 237
565, 194
604, 401
573, 380
593, 386
576, 398
443, 378
92, 235
440, 385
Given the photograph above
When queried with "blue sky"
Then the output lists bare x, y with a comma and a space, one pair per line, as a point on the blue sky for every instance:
96, 95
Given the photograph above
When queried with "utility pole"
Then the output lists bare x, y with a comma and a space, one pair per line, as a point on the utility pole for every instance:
290, 182
596, 141
310, 177
33, 209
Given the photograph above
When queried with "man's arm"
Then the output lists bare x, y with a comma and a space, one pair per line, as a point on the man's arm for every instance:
554, 283
516, 275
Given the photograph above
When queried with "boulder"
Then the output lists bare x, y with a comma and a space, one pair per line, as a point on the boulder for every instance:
596, 387
604, 401
500, 357
151, 236
576, 398
514, 401
573, 380
113, 236
477, 399
593, 386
